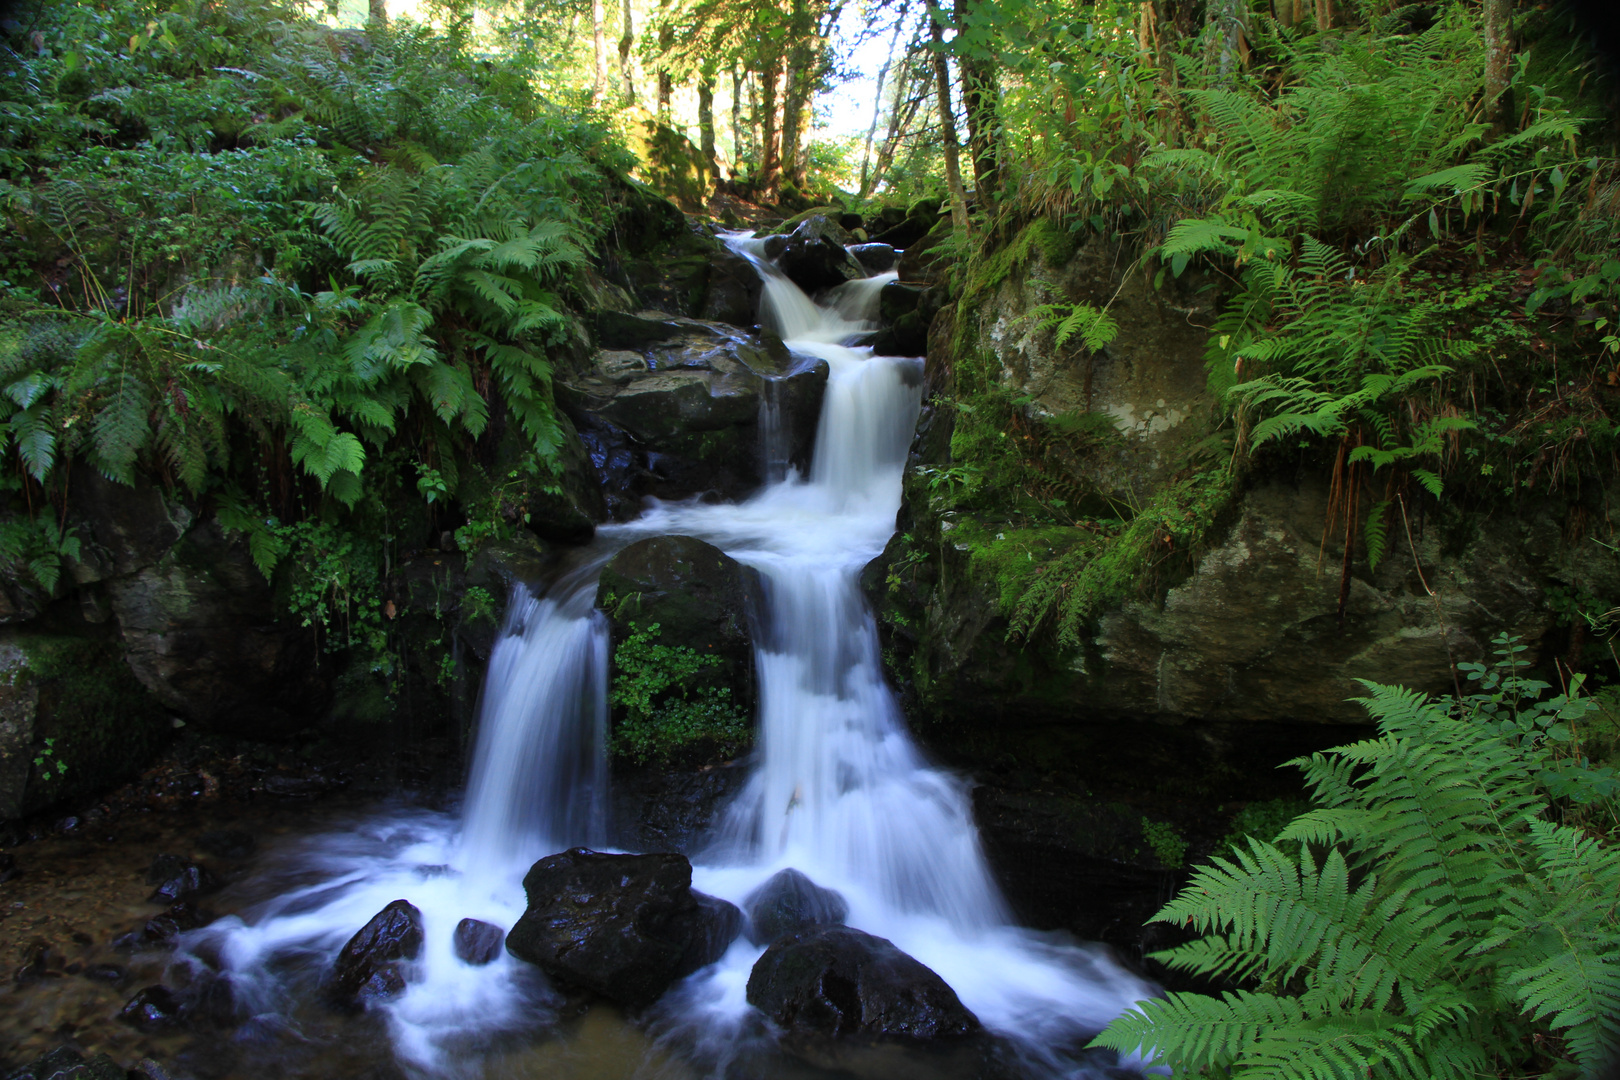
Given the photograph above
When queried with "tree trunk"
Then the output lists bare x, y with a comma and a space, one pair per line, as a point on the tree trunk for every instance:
706, 118
795, 90
947, 127
1498, 59
378, 13
877, 101
599, 36
736, 120
626, 43
666, 83
1324, 15
770, 163
980, 95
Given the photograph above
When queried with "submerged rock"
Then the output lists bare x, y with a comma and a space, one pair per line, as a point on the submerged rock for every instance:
153, 1009
371, 964
179, 879
65, 1063
790, 902
836, 981
625, 926
477, 943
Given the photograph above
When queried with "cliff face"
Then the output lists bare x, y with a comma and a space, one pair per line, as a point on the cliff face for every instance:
1261, 622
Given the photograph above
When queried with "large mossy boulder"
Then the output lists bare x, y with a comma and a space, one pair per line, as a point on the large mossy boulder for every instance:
74, 720
623, 926
702, 603
836, 982
674, 408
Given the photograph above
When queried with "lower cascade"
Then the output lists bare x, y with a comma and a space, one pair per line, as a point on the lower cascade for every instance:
840, 809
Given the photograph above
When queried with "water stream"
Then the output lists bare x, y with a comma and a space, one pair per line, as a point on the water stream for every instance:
839, 791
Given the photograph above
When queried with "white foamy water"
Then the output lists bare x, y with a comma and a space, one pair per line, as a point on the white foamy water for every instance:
839, 791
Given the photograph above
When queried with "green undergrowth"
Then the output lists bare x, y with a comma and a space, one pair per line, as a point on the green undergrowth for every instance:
665, 711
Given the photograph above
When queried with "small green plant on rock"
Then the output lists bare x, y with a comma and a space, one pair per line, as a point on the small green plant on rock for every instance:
666, 709
1169, 846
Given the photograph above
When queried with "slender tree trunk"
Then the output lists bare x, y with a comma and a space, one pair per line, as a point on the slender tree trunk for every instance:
736, 120
599, 43
1324, 15
706, 118
770, 163
377, 13
626, 43
796, 87
877, 100
1498, 59
947, 128
666, 42
980, 97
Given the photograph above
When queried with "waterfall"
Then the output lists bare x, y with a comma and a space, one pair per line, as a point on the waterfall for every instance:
839, 791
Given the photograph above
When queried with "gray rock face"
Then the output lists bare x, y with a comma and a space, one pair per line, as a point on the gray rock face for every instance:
838, 982
624, 926
679, 414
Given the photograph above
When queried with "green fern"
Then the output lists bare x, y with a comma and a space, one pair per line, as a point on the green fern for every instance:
1432, 922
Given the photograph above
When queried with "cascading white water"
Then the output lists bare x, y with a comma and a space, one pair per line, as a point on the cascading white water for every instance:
839, 791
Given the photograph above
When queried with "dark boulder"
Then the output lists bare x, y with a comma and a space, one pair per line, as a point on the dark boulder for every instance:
874, 258
477, 943
8, 867
625, 926
65, 1063
835, 981
658, 808
153, 1009
719, 922
790, 902
733, 292
621, 330
371, 965
179, 879
815, 255
927, 259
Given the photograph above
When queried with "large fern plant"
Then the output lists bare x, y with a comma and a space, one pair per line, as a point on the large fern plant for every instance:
1437, 922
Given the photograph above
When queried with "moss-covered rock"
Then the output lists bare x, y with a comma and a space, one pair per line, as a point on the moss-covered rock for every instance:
682, 615
74, 721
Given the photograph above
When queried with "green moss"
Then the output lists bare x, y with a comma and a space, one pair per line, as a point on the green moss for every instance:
665, 710
833, 212
1169, 846
95, 723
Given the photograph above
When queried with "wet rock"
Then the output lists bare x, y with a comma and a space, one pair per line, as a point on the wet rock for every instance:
111, 974
789, 902
65, 1063
815, 255
620, 925
232, 844
149, 1070
836, 981
719, 924
179, 879
40, 961
903, 229
733, 290
874, 258
668, 809
926, 258
181, 916
681, 416
477, 943
370, 965
153, 1009
699, 597
621, 330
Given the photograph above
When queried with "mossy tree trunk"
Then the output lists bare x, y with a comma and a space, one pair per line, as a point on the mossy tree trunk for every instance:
947, 127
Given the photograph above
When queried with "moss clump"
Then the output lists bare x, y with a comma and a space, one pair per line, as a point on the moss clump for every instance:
666, 710
95, 724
